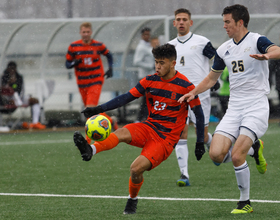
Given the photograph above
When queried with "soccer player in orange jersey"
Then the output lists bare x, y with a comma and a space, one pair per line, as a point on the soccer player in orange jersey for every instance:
159, 134
85, 56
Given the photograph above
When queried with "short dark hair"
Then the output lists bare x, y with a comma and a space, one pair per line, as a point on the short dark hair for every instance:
182, 10
145, 29
165, 51
12, 64
238, 12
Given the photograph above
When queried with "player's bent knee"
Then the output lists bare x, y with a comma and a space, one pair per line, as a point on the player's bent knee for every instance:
123, 135
218, 158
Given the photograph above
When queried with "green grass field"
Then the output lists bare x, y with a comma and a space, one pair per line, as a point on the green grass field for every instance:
43, 177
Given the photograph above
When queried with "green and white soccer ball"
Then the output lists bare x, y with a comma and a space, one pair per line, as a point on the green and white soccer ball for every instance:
98, 127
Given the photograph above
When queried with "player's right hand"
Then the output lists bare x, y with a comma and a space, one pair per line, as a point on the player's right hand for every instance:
90, 111
187, 97
199, 150
77, 62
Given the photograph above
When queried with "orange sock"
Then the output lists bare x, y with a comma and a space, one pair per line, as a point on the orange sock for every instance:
108, 144
134, 188
88, 139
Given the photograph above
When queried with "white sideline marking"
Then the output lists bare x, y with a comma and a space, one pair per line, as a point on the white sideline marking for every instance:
37, 142
125, 197
271, 132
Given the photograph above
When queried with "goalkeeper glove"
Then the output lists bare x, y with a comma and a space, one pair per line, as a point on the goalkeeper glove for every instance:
109, 73
90, 111
199, 150
215, 87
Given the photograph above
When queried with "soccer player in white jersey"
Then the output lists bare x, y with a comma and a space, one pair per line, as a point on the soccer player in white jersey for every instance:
193, 55
246, 119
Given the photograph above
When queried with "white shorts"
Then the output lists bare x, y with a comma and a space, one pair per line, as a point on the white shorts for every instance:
206, 107
253, 118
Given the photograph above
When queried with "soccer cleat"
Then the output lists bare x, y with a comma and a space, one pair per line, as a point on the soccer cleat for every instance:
83, 146
258, 156
183, 181
131, 206
216, 163
37, 125
243, 207
25, 125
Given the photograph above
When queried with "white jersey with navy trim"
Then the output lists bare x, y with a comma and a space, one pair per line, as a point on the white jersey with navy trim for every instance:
248, 77
193, 54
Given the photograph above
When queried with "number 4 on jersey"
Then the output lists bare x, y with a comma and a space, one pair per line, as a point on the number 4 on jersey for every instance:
182, 61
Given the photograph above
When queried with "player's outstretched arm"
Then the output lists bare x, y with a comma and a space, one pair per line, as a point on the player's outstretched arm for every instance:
110, 105
187, 97
272, 53
209, 81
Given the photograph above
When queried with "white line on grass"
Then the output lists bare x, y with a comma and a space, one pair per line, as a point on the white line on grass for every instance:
37, 142
71, 141
125, 197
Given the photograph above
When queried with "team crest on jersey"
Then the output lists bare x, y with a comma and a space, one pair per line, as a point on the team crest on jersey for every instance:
193, 47
247, 49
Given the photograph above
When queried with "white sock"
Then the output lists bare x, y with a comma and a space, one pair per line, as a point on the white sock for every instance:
242, 174
132, 198
35, 113
251, 151
228, 156
182, 154
93, 149
209, 141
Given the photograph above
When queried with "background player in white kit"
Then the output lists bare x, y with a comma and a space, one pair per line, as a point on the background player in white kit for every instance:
246, 119
193, 54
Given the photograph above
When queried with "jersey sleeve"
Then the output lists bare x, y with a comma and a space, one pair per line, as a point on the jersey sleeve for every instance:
209, 51
263, 44
195, 101
219, 64
103, 49
70, 54
139, 89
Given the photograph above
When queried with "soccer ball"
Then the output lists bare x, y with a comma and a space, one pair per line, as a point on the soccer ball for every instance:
98, 127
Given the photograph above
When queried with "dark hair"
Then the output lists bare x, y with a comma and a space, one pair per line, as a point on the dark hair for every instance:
12, 64
182, 10
145, 29
165, 51
238, 12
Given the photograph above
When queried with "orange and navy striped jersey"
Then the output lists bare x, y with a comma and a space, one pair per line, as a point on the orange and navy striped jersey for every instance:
90, 71
166, 115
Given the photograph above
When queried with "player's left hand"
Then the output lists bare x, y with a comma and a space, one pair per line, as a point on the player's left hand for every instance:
215, 87
90, 111
259, 56
109, 73
199, 150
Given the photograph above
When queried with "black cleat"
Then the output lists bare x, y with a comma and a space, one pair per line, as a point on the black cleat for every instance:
83, 146
131, 206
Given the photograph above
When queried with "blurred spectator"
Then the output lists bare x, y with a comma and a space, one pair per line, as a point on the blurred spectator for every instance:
144, 60
13, 90
224, 91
